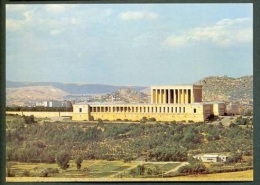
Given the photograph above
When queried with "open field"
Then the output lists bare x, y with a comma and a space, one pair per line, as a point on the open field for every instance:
232, 176
89, 169
100, 170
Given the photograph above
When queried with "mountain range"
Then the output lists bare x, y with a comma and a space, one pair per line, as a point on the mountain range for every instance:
73, 88
215, 88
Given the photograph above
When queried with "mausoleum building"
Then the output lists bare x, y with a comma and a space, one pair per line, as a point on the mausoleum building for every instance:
168, 103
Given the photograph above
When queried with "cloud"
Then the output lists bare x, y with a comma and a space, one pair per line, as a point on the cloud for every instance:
223, 33
16, 24
56, 32
58, 8
137, 15
31, 20
15, 8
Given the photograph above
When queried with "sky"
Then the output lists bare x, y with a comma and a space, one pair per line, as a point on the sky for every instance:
128, 44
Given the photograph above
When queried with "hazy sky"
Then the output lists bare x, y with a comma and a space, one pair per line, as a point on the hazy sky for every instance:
128, 44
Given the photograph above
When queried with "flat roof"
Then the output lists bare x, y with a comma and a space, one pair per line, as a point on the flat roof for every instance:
175, 86
140, 104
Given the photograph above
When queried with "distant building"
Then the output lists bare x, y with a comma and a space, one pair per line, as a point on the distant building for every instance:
52, 103
211, 157
168, 103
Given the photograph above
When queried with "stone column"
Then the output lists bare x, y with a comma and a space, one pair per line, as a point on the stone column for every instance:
152, 95
183, 95
175, 96
179, 96
164, 95
169, 96
162, 92
158, 96
192, 96
186, 97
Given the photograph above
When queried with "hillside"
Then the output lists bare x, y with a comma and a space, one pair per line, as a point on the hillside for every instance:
72, 88
215, 88
127, 95
227, 88
27, 95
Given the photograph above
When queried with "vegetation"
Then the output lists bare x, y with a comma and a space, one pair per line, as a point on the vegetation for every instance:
40, 109
62, 159
58, 143
78, 162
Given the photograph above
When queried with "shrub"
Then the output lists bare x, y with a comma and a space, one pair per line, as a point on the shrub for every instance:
26, 173
43, 173
62, 159
52, 170
99, 120
143, 120
78, 161
151, 119
10, 173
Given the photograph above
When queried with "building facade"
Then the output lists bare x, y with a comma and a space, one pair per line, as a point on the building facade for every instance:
168, 103
208, 158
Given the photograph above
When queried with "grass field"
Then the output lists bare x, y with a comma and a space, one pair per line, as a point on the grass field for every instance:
100, 170
232, 176
90, 169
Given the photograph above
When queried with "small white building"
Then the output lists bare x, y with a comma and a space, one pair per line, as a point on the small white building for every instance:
52, 103
211, 157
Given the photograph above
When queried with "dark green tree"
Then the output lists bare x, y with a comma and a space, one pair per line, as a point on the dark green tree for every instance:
78, 161
62, 159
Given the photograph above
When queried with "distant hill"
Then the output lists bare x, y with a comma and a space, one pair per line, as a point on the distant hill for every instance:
227, 88
215, 88
23, 96
73, 88
128, 95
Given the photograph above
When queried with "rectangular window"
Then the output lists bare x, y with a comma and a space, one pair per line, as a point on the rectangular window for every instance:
184, 109
80, 109
194, 110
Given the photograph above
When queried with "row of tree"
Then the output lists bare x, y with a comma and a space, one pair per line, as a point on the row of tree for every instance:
120, 141
40, 109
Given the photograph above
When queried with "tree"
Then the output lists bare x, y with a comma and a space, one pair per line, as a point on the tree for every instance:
143, 120
78, 162
62, 159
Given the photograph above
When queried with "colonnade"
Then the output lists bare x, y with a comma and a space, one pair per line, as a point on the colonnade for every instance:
172, 96
138, 109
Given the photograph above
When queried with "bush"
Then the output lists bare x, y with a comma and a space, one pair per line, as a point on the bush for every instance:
151, 119
43, 173
143, 120
78, 161
100, 121
173, 122
10, 173
62, 159
193, 168
26, 173
52, 170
